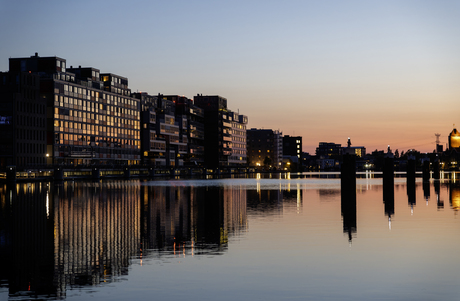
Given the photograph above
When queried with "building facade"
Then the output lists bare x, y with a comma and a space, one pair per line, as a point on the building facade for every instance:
327, 150
222, 129
22, 120
265, 148
91, 119
292, 146
194, 131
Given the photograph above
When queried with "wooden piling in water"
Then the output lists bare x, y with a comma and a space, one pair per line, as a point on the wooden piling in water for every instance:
426, 170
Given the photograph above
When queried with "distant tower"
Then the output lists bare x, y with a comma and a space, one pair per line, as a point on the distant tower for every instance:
438, 146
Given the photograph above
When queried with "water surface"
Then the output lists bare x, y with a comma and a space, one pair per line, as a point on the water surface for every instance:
230, 239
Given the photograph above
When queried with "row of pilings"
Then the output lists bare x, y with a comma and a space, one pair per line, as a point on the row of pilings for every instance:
348, 186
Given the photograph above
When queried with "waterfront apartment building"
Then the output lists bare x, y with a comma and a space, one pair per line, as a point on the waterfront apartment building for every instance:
265, 148
91, 117
225, 132
239, 139
194, 131
22, 120
164, 136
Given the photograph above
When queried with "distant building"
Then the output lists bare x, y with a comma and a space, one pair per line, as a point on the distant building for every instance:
292, 146
225, 132
359, 151
265, 146
292, 153
239, 139
454, 139
327, 150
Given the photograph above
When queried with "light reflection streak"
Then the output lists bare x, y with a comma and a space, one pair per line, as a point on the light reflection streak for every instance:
47, 204
298, 198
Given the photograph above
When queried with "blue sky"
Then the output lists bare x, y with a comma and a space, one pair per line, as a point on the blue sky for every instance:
380, 72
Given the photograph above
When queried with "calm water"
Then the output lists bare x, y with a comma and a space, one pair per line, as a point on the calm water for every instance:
230, 239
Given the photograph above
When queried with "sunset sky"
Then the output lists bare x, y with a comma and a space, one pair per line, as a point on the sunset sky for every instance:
380, 72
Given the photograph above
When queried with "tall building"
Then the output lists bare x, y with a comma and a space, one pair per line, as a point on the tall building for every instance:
195, 130
222, 130
22, 120
91, 119
153, 149
239, 139
164, 136
191, 128
292, 146
265, 147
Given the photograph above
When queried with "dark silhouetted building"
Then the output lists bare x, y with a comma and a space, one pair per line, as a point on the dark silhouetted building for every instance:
22, 120
265, 148
292, 146
194, 129
328, 150
225, 132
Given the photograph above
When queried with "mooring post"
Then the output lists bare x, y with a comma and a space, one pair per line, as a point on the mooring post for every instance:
95, 173
410, 169
11, 174
436, 170
348, 191
151, 172
426, 170
410, 180
127, 172
58, 174
388, 169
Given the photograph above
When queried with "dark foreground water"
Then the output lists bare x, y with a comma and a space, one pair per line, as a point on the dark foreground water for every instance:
230, 239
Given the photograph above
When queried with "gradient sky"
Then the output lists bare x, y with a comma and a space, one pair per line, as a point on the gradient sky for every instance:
380, 72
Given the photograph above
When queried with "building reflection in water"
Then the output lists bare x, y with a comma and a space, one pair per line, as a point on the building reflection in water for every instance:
265, 201
67, 235
96, 231
188, 220
27, 240
57, 237
454, 195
